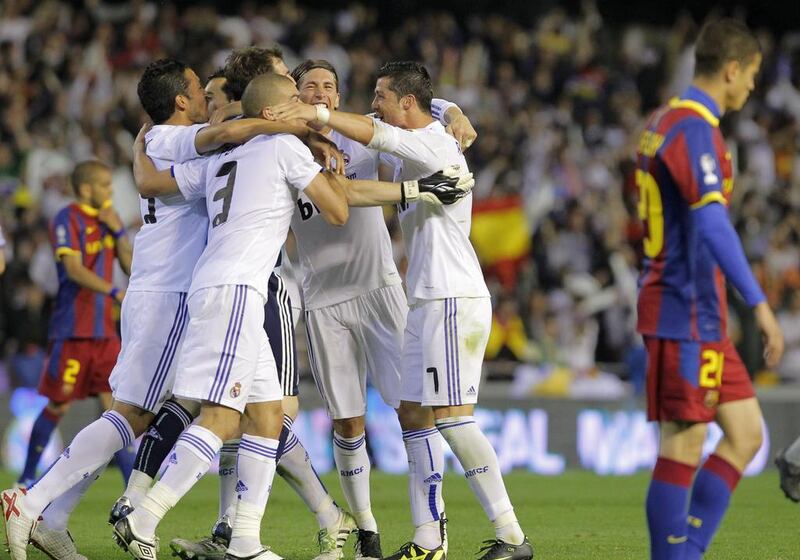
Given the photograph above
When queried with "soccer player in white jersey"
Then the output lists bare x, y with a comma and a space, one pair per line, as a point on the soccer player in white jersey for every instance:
355, 308
294, 465
448, 320
226, 362
165, 252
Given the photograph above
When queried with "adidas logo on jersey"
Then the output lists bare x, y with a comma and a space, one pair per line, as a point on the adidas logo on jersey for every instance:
241, 487
477, 470
435, 478
173, 459
471, 390
66, 453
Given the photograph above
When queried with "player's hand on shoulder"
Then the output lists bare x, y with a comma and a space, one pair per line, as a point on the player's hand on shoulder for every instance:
443, 187
138, 142
771, 332
462, 130
325, 152
226, 112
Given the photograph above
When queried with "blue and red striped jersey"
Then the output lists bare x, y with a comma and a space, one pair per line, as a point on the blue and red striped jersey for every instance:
80, 312
682, 165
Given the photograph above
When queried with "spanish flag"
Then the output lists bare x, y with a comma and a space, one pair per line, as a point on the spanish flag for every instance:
501, 236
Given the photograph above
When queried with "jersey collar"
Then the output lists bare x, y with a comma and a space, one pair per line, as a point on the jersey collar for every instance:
698, 100
88, 210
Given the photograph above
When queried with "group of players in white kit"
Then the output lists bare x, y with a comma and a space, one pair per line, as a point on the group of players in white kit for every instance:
218, 201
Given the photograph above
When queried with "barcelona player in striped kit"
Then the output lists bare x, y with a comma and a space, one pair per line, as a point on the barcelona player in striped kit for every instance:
87, 236
694, 375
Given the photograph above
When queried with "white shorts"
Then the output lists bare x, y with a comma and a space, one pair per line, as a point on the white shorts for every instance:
445, 340
354, 338
153, 328
226, 357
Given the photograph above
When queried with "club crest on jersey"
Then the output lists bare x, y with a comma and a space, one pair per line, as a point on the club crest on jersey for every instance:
711, 399
709, 167
236, 390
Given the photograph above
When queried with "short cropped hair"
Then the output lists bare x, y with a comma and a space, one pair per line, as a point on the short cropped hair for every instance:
409, 78
161, 82
218, 73
309, 65
242, 65
85, 172
722, 41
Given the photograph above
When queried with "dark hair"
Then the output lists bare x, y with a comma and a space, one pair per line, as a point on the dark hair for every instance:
218, 73
85, 172
310, 65
161, 82
722, 41
409, 78
242, 65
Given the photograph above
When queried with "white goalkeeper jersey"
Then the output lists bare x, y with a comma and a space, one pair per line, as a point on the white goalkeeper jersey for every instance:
441, 260
340, 263
249, 201
173, 233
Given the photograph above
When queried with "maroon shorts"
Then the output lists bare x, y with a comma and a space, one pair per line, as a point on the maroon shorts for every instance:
687, 380
78, 368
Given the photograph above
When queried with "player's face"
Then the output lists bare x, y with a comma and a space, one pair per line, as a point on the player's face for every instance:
101, 189
215, 95
319, 86
196, 108
386, 104
742, 83
279, 67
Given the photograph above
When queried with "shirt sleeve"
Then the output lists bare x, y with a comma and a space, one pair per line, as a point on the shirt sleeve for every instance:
439, 108
191, 178
178, 146
691, 159
297, 162
66, 237
402, 143
720, 237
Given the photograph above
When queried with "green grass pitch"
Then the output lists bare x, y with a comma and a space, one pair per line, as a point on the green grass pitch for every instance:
574, 516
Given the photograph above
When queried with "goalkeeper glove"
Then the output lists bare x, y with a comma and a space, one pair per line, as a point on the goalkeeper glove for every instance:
443, 187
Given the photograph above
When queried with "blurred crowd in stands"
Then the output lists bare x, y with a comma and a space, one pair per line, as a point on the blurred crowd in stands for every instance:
558, 100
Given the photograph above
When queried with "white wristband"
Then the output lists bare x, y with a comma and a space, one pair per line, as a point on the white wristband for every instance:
323, 114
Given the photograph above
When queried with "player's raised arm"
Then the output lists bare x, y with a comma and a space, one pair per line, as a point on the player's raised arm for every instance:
240, 131
356, 127
455, 121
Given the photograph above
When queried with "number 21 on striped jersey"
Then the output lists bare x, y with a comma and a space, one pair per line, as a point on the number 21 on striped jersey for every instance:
651, 211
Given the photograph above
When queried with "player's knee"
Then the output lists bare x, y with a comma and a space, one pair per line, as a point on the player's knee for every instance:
349, 427
413, 416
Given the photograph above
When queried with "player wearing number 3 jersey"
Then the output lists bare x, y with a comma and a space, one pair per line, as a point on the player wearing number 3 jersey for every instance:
694, 375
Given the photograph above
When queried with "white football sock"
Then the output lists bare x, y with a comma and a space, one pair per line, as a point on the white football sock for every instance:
228, 479
793, 453
482, 471
138, 485
256, 466
92, 448
56, 516
194, 451
295, 467
352, 462
425, 470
